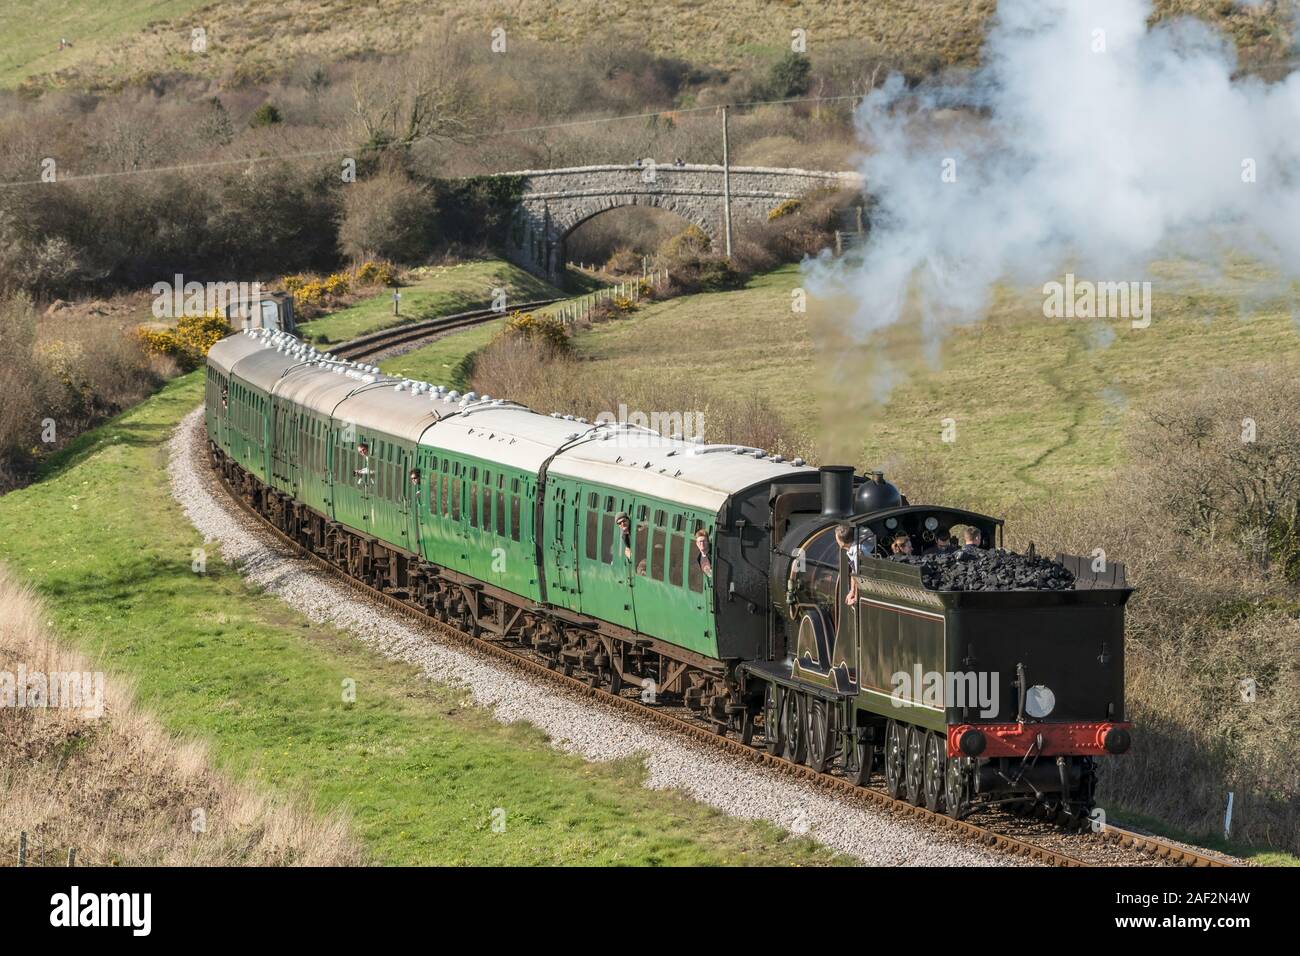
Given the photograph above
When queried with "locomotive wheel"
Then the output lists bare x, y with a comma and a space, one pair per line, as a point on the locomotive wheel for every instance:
747, 726
861, 756
772, 702
895, 758
936, 768
819, 734
915, 765
794, 723
956, 788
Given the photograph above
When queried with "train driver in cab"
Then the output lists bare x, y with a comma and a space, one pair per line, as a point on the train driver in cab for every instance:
852, 552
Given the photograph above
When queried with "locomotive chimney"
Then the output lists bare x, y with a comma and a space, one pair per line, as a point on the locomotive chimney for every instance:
837, 491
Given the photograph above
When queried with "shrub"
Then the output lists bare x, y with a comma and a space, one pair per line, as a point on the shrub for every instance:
788, 76
387, 216
623, 261
372, 272
265, 115
545, 330
189, 342
784, 209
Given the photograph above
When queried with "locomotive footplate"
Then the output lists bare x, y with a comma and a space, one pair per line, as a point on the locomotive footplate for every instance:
781, 673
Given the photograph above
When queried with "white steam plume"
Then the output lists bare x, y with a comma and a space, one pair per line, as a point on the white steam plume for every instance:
1101, 144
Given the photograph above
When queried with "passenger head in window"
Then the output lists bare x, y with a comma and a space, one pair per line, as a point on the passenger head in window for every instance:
702, 552
363, 449
625, 530
414, 476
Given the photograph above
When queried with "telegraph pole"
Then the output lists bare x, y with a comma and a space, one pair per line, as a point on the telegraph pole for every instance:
726, 183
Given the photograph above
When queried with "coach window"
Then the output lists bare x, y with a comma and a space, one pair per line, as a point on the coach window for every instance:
657, 555
514, 517
675, 554
642, 540
455, 498
607, 535
472, 491
593, 532
487, 502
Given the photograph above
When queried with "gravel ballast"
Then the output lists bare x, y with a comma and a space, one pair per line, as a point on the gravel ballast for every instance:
577, 726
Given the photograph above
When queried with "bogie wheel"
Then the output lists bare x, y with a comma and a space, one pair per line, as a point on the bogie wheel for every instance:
794, 723
915, 765
957, 788
895, 758
861, 754
819, 734
772, 706
936, 767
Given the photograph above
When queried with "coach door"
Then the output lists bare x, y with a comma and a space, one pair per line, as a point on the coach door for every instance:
284, 446
562, 583
604, 563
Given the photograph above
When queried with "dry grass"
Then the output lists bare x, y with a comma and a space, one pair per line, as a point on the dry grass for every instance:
122, 790
62, 374
530, 374
251, 38
1210, 612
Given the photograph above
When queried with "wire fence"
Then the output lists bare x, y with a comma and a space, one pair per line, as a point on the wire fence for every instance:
575, 311
38, 852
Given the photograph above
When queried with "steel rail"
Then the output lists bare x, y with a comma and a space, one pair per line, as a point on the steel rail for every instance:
375, 342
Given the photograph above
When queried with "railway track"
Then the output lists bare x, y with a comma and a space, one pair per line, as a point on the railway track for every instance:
1026, 839
415, 333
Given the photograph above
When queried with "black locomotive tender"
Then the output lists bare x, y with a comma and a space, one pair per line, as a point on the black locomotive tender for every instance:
960, 698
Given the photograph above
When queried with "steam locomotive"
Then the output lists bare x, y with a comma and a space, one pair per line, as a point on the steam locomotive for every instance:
702, 574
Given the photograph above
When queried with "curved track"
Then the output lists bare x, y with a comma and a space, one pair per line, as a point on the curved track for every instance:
415, 333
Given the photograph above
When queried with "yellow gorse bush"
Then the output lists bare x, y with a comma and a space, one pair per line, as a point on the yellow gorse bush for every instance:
785, 209
375, 272
311, 291
545, 329
189, 342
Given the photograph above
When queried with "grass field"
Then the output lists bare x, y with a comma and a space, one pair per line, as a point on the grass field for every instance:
433, 291
1040, 406
249, 39
30, 31
416, 769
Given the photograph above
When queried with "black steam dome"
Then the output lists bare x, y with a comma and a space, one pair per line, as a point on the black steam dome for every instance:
876, 494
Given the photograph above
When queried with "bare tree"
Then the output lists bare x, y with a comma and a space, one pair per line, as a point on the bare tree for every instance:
427, 98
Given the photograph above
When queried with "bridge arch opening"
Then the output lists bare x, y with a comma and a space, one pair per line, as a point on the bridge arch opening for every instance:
639, 229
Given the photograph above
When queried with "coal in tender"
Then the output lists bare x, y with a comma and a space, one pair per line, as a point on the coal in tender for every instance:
992, 570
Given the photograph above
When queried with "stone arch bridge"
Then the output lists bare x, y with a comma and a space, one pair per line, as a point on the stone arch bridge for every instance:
554, 202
